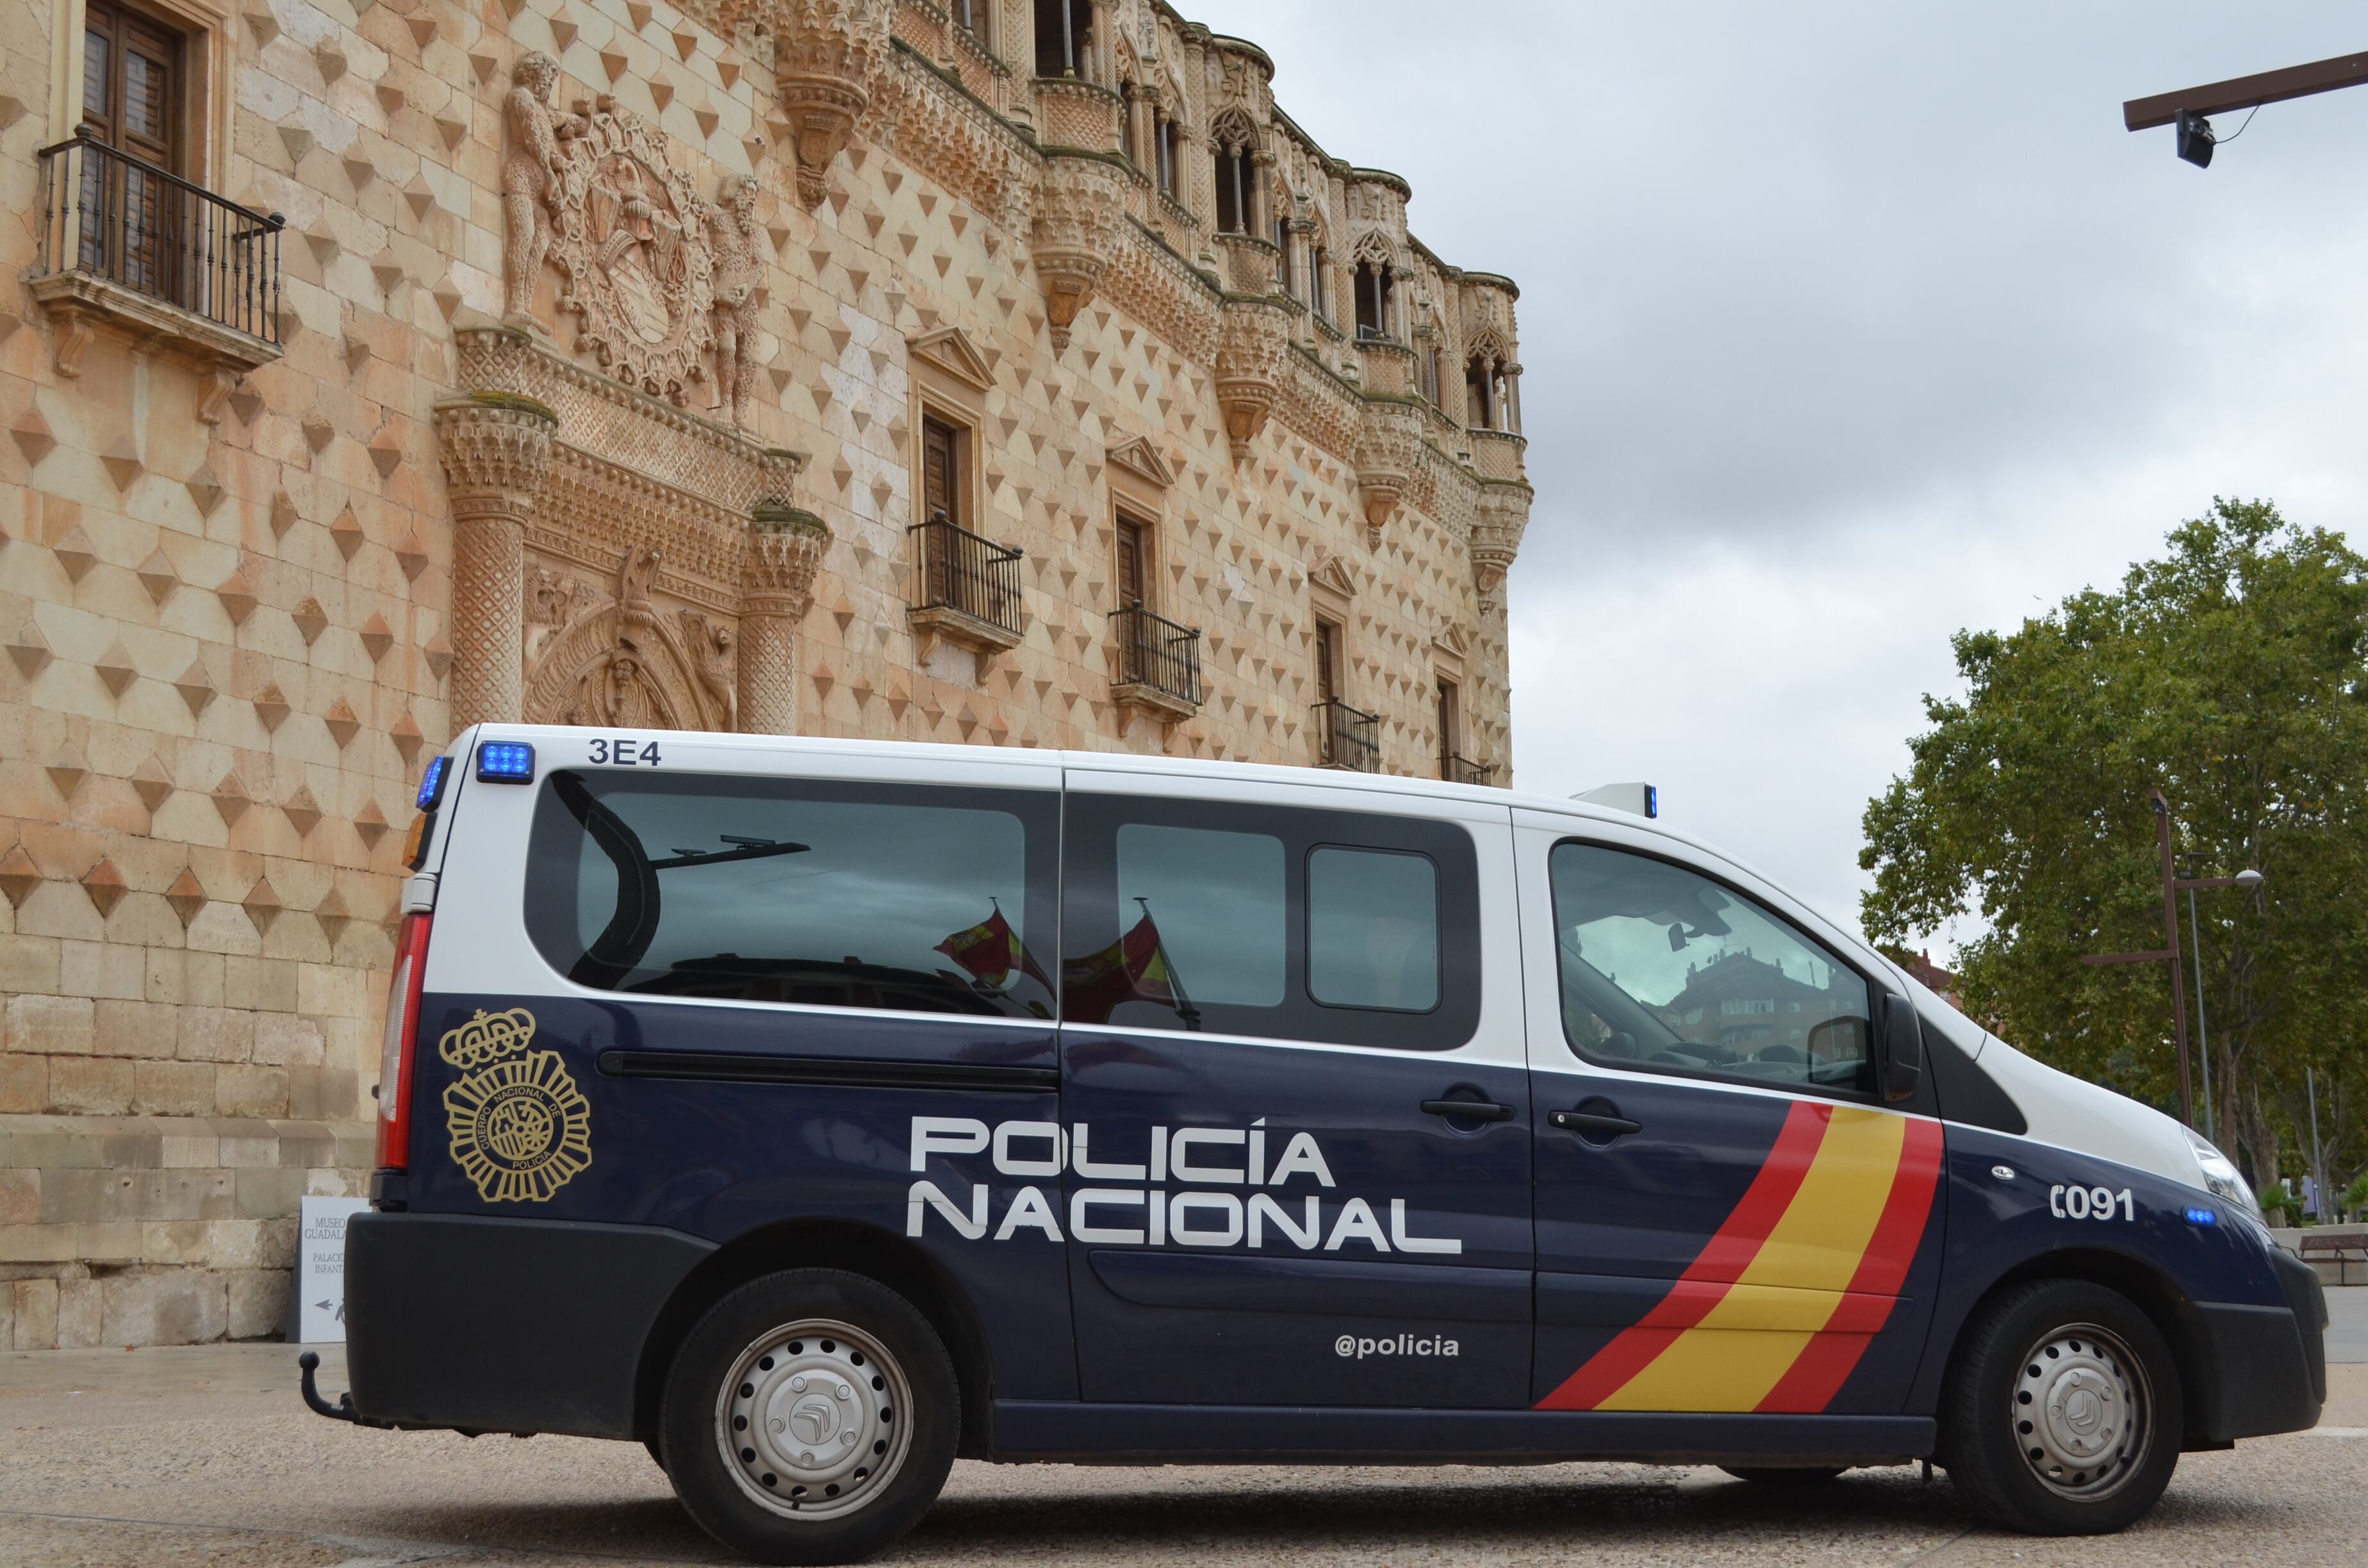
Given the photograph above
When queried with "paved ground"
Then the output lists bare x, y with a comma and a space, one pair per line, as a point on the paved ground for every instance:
172, 1458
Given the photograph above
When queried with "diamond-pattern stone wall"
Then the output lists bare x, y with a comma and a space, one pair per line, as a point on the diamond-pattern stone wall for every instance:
229, 620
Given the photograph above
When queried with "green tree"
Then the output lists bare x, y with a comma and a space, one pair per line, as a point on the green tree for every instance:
2230, 675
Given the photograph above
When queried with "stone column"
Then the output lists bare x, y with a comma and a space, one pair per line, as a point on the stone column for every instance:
785, 546
496, 446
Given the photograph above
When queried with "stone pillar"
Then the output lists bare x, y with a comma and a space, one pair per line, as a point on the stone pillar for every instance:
496, 446
785, 546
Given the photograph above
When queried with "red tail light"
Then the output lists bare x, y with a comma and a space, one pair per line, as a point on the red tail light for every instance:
402, 1034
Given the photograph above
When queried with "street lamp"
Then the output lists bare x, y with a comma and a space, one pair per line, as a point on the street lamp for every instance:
2173, 885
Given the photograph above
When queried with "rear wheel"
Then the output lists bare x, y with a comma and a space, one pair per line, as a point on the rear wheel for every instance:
2063, 1414
810, 1416
1772, 1475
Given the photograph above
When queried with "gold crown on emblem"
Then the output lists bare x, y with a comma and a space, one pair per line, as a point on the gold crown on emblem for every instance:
488, 1037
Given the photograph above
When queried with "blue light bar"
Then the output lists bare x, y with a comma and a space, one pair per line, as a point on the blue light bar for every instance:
506, 762
431, 784
2201, 1216
1652, 801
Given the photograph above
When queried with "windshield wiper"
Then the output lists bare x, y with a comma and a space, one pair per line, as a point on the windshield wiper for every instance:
742, 849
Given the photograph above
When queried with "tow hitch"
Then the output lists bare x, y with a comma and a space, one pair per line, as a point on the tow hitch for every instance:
309, 1363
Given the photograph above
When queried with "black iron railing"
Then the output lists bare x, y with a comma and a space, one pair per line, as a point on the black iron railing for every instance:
110, 215
1458, 769
961, 571
1155, 652
1346, 737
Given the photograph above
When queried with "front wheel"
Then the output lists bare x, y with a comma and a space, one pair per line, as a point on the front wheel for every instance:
810, 1416
2063, 1414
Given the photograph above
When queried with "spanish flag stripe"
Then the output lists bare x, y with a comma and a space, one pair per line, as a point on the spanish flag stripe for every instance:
1737, 1355
1829, 1359
1830, 1225
1721, 1261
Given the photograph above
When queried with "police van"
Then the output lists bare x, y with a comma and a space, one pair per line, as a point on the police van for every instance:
817, 1112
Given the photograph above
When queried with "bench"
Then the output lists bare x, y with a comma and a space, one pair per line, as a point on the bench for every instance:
2340, 1258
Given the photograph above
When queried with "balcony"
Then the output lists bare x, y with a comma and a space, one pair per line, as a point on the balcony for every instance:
130, 247
1158, 666
1457, 770
1348, 738
965, 590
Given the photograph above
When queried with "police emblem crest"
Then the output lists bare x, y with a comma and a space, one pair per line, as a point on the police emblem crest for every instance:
520, 1130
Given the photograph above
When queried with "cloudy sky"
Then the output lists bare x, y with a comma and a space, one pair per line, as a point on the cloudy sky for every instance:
1848, 326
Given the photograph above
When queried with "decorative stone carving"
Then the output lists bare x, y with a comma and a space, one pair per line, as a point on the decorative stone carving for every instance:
637, 247
532, 178
496, 447
825, 53
1250, 348
622, 666
1079, 208
1504, 513
739, 279
1387, 446
636, 253
785, 547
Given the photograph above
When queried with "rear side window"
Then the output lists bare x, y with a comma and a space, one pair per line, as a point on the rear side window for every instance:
1665, 970
759, 889
1270, 921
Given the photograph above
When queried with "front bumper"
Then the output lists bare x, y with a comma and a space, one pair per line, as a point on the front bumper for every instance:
2266, 1368
504, 1325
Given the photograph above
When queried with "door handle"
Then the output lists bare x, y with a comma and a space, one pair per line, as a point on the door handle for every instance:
1584, 1123
1470, 1111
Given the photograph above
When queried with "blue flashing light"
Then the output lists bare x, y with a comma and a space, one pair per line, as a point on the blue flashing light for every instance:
2201, 1216
506, 762
1651, 800
431, 784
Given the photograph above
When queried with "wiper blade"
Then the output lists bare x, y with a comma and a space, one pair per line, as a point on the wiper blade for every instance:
744, 849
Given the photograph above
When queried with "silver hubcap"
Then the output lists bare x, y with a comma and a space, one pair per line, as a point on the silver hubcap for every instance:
2081, 1412
814, 1420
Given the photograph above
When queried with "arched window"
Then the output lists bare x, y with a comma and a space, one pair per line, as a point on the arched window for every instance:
1233, 146
1375, 283
1430, 364
1480, 394
1126, 121
1283, 280
1164, 137
1062, 29
1319, 283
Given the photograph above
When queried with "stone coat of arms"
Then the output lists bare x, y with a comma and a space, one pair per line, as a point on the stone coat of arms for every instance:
634, 242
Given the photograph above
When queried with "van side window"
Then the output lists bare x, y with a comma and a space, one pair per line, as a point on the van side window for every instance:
1373, 929
1270, 921
761, 890
1665, 970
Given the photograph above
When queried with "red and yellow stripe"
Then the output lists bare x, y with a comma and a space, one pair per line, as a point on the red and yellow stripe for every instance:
1786, 1297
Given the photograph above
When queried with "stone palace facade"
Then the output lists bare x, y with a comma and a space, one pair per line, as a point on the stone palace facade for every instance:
1005, 371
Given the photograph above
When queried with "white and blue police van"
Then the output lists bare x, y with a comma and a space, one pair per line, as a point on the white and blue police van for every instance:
818, 1112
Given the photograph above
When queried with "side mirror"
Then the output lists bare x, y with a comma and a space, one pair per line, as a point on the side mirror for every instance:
1901, 1065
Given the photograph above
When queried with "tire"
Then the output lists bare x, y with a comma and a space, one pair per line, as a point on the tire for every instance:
2063, 1413
1797, 1476
818, 1356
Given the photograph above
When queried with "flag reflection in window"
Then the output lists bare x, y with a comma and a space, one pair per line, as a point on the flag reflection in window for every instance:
767, 891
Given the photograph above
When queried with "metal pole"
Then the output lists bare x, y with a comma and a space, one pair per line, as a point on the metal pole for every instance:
2317, 1169
2202, 1030
2178, 975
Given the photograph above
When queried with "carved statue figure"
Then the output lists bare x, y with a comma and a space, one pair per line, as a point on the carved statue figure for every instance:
712, 662
738, 271
531, 175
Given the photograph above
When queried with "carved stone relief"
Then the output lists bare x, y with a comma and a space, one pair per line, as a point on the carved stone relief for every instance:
665, 285
621, 664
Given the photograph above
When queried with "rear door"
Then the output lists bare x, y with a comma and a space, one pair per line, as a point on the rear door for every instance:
1728, 1219
1278, 1000
753, 985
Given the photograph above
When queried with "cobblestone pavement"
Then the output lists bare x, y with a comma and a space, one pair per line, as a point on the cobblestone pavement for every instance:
172, 1458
